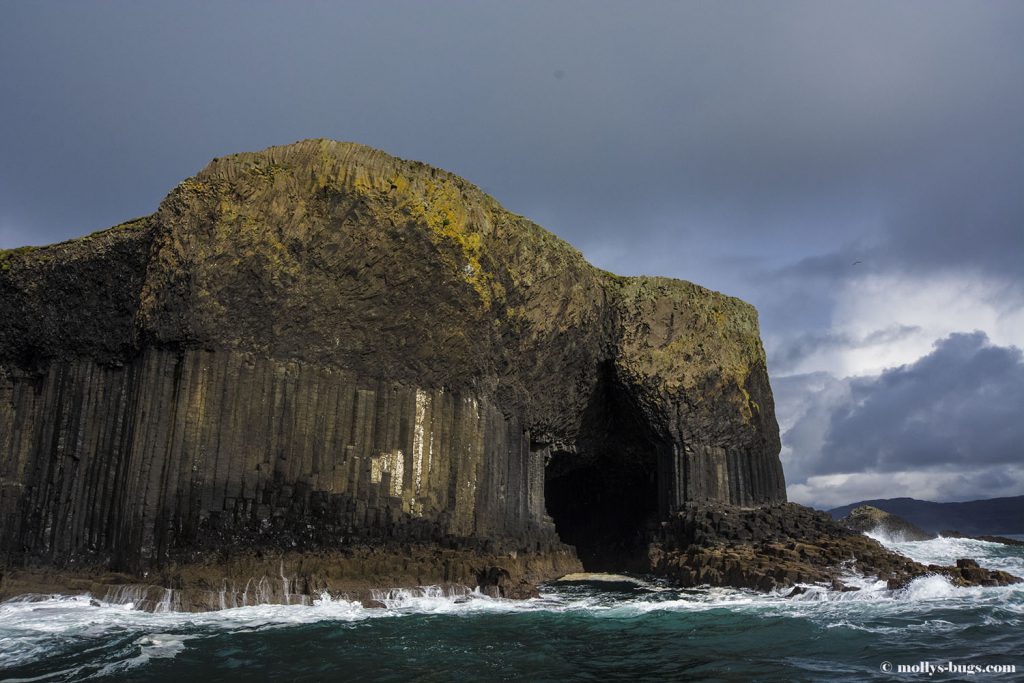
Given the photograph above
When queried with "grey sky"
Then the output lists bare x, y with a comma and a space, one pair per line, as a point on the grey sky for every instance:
756, 148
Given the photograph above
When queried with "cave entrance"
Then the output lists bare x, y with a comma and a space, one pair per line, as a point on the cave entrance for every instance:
605, 495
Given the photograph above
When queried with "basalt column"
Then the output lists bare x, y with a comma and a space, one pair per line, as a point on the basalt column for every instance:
198, 449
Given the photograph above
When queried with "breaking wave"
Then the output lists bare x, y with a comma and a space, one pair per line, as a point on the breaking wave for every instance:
601, 628
944, 550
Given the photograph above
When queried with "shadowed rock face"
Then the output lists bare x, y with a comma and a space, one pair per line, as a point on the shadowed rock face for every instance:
320, 345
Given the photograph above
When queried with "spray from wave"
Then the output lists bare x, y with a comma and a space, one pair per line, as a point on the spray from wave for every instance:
82, 638
942, 550
73, 639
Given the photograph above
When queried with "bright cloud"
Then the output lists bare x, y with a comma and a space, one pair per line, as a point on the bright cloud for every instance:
886, 320
944, 427
834, 490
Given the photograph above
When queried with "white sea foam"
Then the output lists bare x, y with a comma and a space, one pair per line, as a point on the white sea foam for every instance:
83, 616
947, 551
32, 629
929, 588
154, 646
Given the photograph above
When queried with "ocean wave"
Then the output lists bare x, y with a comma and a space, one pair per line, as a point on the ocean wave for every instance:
947, 551
123, 639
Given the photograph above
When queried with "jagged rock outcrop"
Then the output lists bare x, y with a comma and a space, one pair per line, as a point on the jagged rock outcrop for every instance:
871, 519
321, 346
776, 546
974, 517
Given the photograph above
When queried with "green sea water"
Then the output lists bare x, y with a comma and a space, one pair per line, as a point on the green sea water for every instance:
589, 631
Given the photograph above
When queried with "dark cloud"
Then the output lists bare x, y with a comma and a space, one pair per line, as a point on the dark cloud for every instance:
946, 427
956, 410
959, 406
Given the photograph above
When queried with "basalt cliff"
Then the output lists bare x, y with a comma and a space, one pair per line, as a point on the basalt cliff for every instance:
319, 367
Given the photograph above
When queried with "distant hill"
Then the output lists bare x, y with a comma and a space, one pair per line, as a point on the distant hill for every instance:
992, 516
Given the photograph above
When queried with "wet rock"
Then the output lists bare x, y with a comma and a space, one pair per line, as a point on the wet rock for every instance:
968, 573
364, 574
497, 582
870, 519
787, 544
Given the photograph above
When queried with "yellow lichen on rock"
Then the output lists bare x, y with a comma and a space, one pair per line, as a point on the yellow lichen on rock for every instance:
442, 209
688, 336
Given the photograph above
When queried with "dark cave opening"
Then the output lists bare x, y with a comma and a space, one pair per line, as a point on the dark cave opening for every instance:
605, 495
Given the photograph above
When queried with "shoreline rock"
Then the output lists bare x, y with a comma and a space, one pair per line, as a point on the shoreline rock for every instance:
871, 519
780, 546
763, 549
368, 575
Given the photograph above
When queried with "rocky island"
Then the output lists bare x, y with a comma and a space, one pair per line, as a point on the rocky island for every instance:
322, 368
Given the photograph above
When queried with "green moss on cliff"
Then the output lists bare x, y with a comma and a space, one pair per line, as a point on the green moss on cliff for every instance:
8, 256
687, 337
79, 247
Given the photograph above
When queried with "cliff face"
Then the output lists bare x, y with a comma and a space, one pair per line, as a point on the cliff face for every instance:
319, 344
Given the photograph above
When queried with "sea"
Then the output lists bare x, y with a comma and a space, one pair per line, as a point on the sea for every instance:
604, 628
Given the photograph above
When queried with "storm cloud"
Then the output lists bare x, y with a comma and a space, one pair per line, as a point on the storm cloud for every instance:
961, 403
953, 416
851, 168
